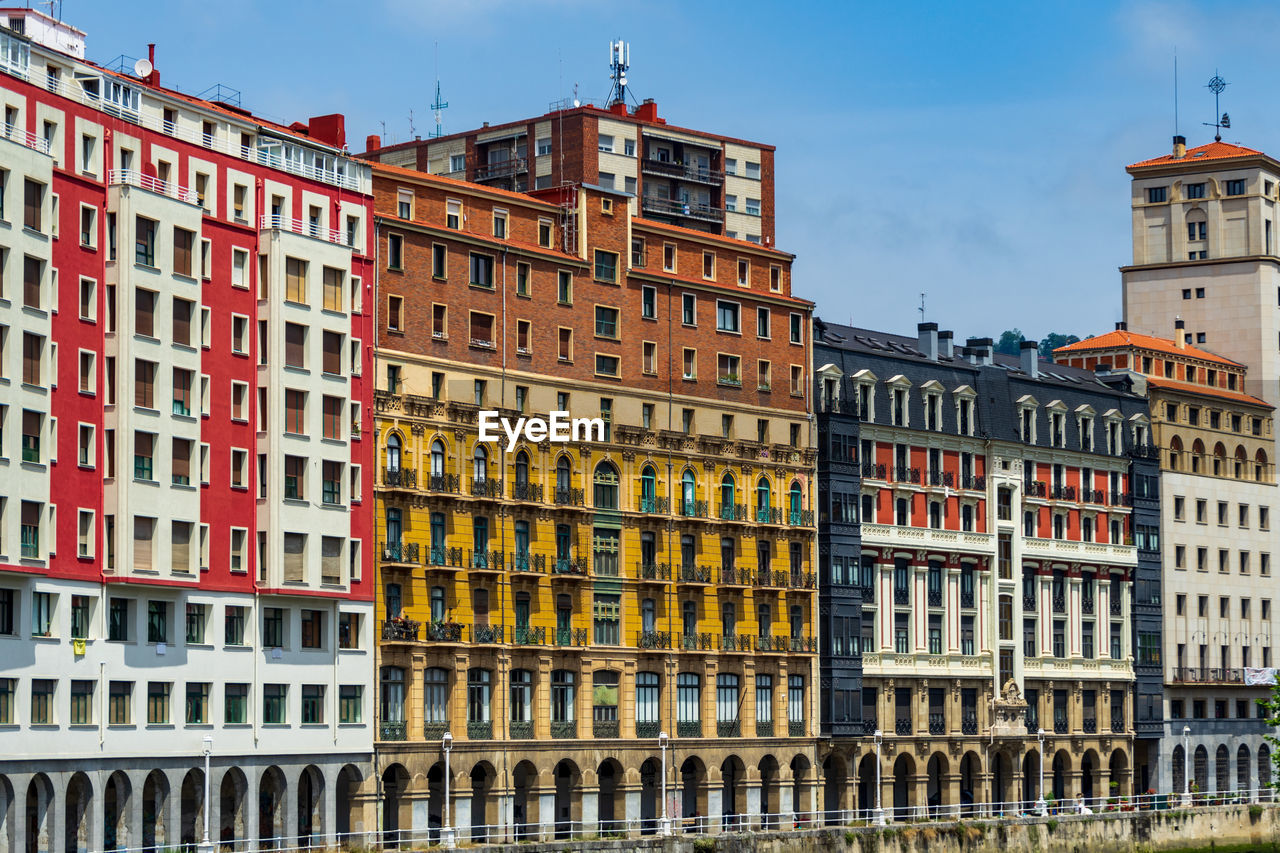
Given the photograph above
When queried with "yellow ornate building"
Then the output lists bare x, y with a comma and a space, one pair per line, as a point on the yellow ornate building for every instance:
574, 617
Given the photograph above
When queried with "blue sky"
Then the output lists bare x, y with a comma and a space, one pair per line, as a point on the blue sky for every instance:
972, 152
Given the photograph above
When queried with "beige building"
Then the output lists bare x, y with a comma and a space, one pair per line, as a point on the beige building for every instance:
1218, 488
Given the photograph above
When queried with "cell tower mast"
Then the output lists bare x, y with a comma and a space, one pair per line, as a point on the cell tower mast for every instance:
619, 62
439, 105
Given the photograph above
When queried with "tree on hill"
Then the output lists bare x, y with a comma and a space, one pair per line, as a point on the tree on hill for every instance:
1009, 341
1052, 341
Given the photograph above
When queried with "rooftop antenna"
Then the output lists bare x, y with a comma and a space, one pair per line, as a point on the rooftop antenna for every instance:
411, 127
383, 125
619, 62
439, 104
921, 308
1175, 90
1216, 85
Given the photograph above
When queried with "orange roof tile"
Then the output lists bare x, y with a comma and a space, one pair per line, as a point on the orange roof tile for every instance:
1211, 151
1124, 338
483, 189
1192, 388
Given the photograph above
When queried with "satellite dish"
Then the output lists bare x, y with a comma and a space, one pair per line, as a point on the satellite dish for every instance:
576, 102
143, 68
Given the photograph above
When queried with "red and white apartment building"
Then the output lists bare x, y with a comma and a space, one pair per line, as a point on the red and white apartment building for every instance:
185, 302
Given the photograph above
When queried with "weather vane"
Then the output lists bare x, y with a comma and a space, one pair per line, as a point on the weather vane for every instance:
1216, 85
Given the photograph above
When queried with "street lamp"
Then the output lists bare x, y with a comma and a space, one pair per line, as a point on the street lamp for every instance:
205, 845
1042, 808
877, 816
664, 828
446, 833
1186, 772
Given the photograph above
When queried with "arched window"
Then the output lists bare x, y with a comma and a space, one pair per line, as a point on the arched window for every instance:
563, 474
393, 452
437, 458
1197, 457
1219, 460
764, 498
1240, 464
795, 502
1175, 453
480, 464
522, 468
606, 486
728, 497
648, 490
688, 493
1260, 466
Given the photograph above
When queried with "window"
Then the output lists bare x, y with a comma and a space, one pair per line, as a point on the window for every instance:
607, 365
564, 287
481, 270
606, 322
1156, 195
1235, 187
481, 332
183, 241
565, 351
350, 703
273, 628
544, 233
274, 701
727, 316
197, 704
158, 702
295, 410
606, 266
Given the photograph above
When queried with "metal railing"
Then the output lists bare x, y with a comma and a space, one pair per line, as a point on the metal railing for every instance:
22, 137
134, 178
271, 222
675, 207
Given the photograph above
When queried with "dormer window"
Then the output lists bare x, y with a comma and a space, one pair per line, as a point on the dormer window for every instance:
1113, 438
1028, 425
1059, 430
964, 397
932, 393
1086, 434
899, 407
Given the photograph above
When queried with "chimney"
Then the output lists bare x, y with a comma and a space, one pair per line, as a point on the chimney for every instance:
1122, 326
372, 142
153, 79
1179, 147
946, 345
1030, 354
1180, 333
647, 111
928, 340
980, 348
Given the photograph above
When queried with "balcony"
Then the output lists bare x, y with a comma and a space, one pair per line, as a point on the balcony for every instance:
1089, 726
658, 206
973, 483
648, 728
1117, 722
764, 728
795, 728
487, 634
935, 598
653, 505
434, 731
521, 729
868, 593
1034, 489
873, 471
681, 172
525, 563
525, 635
400, 630
906, 474
728, 728
768, 515
486, 487
902, 726
769, 643
1060, 723
1093, 496
604, 728
397, 730
1117, 606
306, 229
901, 597
1208, 675
804, 644
802, 580
969, 723
694, 574
689, 728
735, 642
733, 576
1059, 604
30, 140
937, 723
571, 567
480, 730
399, 478
569, 497
800, 518
656, 572
526, 492
134, 178
1063, 493
653, 640
442, 632
564, 730
486, 561
501, 168
400, 552
942, 478
926, 537
443, 483
703, 641
692, 509
571, 637
966, 598
732, 512
1086, 606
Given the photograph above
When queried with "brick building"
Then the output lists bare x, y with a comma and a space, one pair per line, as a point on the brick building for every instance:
181, 384
564, 611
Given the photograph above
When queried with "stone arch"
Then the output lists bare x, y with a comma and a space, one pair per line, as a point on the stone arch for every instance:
232, 792
732, 798
800, 780
769, 806
1002, 790
1200, 769
1178, 763
936, 773
393, 446
904, 768
693, 798
1031, 776
1118, 773
1089, 775
1222, 768
1219, 459
117, 807
155, 811
970, 773
482, 778
7, 831
650, 795
1175, 453
397, 817
1260, 465
77, 813
568, 797
1197, 457
272, 789
524, 805
611, 809
310, 804
39, 807
834, 784
1243, 769
1240, 463
1061, 772
191, 808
